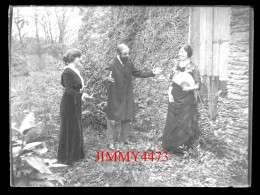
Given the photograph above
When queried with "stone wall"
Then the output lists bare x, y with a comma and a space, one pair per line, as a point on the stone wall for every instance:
238, 73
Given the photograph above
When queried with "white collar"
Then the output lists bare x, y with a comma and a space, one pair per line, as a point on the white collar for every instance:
119, 60
78, 73
184, 64
72, 68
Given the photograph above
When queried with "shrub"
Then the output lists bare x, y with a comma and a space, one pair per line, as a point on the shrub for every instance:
153, 35
19, 66
93, 109
28, 167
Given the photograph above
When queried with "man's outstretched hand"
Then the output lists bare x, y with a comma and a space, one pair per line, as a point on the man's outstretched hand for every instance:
157, 71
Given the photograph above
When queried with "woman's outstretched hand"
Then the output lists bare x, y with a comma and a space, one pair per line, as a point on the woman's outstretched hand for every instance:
109, 79
191, 88
186, 89
85, 95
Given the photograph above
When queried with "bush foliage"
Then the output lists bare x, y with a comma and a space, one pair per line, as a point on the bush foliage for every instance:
153, 36
28, 167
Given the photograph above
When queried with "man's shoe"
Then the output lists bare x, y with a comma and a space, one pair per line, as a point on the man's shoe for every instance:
118, 147
126, 142
111, 147
160, 137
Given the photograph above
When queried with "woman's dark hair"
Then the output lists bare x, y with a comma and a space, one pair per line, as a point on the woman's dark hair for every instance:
70, 55
187, 48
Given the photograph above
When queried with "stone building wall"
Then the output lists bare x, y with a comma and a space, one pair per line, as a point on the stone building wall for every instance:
238, 73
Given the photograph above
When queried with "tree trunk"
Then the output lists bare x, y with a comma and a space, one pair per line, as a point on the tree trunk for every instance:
19, 33
49, 25
40, 64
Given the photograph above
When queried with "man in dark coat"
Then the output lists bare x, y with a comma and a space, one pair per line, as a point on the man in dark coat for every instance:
120, 102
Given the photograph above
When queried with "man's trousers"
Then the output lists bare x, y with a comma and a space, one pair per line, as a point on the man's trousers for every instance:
118, 127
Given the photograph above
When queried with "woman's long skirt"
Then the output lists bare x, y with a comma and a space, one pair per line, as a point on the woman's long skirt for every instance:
71, 143
181, 127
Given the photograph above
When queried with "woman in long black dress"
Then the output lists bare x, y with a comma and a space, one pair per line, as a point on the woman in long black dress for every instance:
181, 127
71, 143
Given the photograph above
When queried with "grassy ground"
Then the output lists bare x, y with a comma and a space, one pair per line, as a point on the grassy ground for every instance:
210, 163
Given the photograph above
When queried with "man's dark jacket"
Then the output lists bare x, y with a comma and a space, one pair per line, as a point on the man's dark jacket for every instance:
120, 102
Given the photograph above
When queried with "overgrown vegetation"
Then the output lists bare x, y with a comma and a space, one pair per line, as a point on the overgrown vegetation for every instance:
153, 34
209, 164
27, 165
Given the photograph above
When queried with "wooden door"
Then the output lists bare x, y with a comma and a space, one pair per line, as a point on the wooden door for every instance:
209, 38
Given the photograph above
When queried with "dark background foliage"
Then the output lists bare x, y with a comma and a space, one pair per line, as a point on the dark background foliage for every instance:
153, 36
